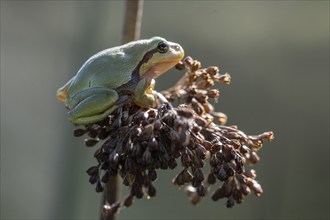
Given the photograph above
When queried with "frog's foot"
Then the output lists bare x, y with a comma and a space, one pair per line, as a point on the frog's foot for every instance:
145, 96
94, 108
146, 100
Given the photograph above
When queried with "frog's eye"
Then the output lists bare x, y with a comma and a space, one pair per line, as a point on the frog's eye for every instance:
162, 47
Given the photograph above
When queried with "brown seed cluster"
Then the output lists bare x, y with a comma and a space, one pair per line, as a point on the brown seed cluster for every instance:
137, 142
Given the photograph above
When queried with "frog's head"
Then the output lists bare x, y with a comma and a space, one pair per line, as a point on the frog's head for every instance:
161, 56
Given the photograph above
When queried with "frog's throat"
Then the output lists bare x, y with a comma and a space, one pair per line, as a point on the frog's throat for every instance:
157, 70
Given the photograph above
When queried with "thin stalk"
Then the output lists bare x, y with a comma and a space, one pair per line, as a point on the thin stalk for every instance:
131, 31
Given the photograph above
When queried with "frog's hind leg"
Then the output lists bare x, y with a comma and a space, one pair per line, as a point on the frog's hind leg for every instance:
62, 93
94, 108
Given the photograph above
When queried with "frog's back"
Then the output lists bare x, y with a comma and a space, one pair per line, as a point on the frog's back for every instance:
110, 68
107, 68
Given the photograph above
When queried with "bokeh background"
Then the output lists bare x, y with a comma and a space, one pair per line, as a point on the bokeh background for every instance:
276, 52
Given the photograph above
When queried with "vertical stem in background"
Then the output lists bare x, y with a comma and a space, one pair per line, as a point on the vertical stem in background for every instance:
131, 31
133, 20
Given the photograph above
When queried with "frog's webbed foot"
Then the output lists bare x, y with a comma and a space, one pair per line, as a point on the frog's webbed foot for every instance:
145, 96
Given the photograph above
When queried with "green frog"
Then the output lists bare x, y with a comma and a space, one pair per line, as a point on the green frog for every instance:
107, 77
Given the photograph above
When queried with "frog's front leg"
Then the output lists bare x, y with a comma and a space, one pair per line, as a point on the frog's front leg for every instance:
91, 105
145, 96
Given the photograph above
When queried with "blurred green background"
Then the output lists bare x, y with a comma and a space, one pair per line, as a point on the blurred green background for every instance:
276, 52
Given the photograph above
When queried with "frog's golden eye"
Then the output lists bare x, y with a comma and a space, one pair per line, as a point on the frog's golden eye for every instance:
162, 47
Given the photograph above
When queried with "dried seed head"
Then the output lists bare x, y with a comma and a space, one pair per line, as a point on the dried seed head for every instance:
138, 141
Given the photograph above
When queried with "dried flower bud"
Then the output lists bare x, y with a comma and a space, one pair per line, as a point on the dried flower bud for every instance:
195, 65
220, 117
256, 187
266, 136
222, 175
146, 132
99, 187
147, 156
180, 66
136, 190
253, 158
79, 132
230, 202
198, 175
212, 70
198, 108
205, 84
185, 112
90, 142
208, 107
200, 121
151, 190
153, 144
94, 170
201, 98
251, 173
93, 179
201, 190
211, 179
245, 189
189, 61
224, 78
213, 93
218, 194
128, 201
138, 141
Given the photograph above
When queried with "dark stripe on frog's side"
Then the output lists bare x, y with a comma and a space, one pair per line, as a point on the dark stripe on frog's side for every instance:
127, 88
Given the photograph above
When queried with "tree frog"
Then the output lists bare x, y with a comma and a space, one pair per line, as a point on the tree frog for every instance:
107, 77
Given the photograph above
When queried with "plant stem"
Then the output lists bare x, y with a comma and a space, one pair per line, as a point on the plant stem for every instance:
133, 20
131, 31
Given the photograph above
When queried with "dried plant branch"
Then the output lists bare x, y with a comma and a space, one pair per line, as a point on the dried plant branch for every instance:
137, 142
